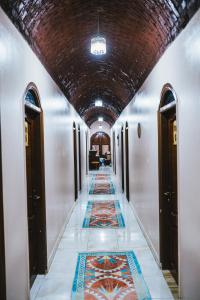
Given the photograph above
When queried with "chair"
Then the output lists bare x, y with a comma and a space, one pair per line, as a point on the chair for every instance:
108, 159
94, 162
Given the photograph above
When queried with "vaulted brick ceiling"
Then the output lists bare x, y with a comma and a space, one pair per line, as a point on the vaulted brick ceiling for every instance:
137, 33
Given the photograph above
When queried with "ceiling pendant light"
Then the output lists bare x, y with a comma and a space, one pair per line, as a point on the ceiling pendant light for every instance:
98, 44
100, 119
98, 102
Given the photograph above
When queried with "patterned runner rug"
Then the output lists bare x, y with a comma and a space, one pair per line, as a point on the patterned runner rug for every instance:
102, 177
103, 214
109, 276
102, 188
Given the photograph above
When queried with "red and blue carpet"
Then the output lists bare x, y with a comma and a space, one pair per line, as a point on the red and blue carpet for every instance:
102, 188
109, 276
102, 177
104, 214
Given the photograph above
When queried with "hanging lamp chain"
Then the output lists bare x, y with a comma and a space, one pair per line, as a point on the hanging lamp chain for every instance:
98, 26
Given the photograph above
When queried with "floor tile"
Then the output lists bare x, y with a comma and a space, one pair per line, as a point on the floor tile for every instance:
57, 284
102, 240
131, 240
158, 287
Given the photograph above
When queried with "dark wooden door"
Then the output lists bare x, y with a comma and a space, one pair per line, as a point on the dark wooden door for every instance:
35, 196
168, 192
32, 204
75, 162
2, 249
80, 164
171, 193
86, 151
114, 153
122, 157
127, 161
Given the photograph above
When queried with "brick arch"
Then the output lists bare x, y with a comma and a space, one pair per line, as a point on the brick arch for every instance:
137, 34
100, 138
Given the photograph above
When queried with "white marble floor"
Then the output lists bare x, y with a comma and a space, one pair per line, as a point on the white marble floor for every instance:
57, 284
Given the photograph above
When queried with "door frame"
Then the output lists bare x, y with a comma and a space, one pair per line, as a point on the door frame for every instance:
86, 151
2, 243
42, 265
161, 152
122, 156
114, 153
127, 160
75, 161
79, 157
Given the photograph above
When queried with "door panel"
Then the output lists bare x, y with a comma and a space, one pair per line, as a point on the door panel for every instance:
86, 147
35, 195
114, 153
173, 211
2, 249
32, 204
168, 192
75, 163
80, 164
122, 157
127, 161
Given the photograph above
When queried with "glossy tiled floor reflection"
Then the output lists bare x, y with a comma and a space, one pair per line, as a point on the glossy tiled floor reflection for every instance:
57, 284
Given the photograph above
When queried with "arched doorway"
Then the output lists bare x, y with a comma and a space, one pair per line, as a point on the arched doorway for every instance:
100, 149
168, 181
35, 184
2, 249
100, 141
122, 156
127, 160
75, 162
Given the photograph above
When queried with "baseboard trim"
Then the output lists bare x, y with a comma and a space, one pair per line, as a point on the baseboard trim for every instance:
36, 286
149, 242
51, 257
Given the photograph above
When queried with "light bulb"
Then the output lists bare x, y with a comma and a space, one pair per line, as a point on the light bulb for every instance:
98, 102
98, 45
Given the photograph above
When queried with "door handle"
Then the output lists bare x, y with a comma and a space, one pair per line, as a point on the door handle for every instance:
173, 214
167, 193
168, 196
36, 197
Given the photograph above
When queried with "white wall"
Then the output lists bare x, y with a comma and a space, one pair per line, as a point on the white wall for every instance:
18, 67
179, 66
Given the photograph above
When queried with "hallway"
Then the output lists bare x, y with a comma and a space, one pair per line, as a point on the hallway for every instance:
99, 149
57, 284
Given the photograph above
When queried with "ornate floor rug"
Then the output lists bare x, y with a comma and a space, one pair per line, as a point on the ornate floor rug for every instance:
109, 276
102, 177
103, 214
102, 188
